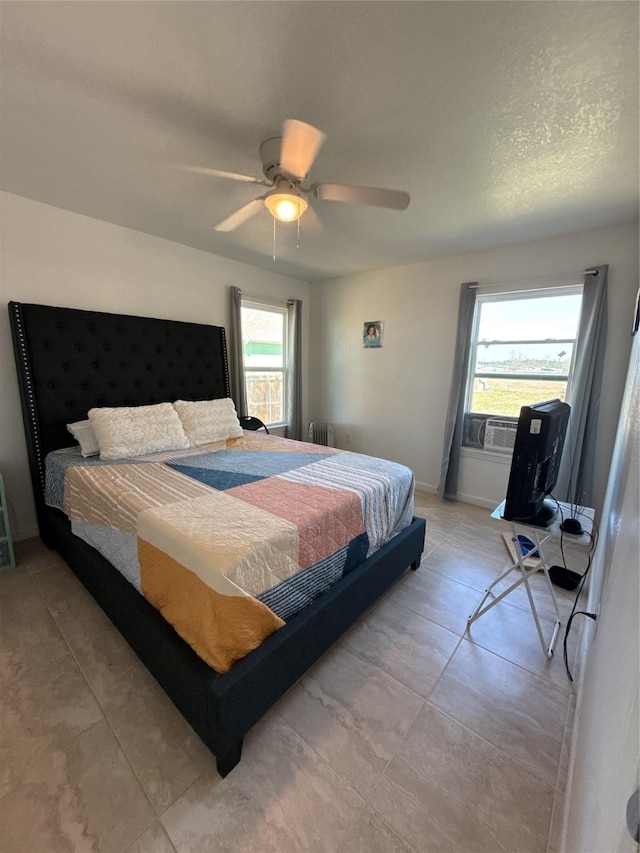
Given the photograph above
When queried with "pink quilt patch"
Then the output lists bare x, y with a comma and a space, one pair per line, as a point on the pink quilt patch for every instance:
326, 519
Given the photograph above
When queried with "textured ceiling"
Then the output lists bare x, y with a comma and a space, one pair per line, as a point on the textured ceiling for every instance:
505, 121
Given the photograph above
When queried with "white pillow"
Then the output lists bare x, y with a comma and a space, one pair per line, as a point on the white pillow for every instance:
83, 433
137, 430
209, 420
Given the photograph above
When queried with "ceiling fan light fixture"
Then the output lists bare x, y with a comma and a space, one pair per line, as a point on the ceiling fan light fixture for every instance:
286, 206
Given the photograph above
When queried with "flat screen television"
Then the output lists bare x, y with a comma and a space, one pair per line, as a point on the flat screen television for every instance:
536, 462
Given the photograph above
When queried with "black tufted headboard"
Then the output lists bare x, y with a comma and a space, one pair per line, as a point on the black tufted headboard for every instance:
69, 361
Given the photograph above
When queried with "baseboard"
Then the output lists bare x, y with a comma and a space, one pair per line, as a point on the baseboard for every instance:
426, 487
26, 533
486, 503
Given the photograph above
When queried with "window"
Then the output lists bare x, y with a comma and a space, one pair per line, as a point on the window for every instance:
264, 348
522, 350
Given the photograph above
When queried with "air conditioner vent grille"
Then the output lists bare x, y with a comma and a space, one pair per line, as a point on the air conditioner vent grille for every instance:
500, 435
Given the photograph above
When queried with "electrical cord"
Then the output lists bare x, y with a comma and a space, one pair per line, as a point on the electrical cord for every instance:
574, 612
593, 616
563, 577
564, 559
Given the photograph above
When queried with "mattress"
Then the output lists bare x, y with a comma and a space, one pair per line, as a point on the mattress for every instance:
229, 541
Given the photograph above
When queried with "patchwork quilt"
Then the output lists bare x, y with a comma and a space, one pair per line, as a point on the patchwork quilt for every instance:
229, 541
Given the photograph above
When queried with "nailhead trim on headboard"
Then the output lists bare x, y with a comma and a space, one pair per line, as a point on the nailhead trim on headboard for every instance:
28, 395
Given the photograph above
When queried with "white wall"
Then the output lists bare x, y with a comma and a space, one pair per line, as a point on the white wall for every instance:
55, 257
393, 400
604, 767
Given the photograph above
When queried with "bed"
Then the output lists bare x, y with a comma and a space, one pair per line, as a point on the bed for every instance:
69, 361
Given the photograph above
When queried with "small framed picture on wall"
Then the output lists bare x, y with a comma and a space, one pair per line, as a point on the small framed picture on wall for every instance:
372, 333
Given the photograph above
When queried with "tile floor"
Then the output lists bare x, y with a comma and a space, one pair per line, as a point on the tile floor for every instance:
407, 736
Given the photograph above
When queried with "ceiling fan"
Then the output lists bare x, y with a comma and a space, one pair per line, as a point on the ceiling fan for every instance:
286, 162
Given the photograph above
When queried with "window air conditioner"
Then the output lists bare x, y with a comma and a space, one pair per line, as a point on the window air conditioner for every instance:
500, 435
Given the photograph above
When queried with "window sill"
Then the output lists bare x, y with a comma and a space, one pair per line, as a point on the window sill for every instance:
278, 429
486, 455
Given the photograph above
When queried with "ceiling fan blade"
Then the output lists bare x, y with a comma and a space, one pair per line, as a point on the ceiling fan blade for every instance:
373, 196
301, 143
241, 215
218, 173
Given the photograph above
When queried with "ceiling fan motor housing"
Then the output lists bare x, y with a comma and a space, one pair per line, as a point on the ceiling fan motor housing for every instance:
270, 156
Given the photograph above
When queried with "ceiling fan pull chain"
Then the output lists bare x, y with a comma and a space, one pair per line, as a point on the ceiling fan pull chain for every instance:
274, 238
298, 222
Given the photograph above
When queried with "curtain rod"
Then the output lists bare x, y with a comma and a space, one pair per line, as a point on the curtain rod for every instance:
593, 272
266, 300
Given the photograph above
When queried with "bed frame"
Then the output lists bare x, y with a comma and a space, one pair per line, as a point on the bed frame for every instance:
69, 361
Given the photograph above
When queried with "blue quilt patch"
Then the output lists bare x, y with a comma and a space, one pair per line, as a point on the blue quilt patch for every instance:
254, 462
220, 480
227, 469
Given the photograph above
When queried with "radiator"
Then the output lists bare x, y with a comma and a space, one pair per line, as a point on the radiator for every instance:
321, 433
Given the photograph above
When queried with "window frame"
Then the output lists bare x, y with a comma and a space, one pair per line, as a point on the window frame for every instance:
489, 295
274, 307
